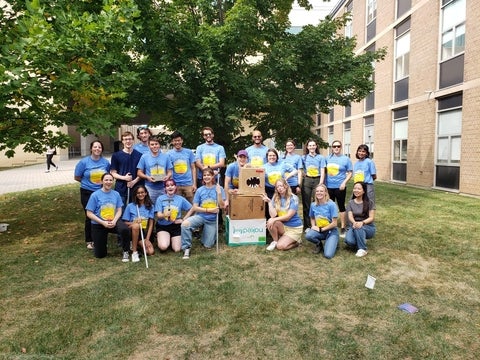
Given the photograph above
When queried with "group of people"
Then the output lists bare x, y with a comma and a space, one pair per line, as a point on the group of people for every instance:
143, 193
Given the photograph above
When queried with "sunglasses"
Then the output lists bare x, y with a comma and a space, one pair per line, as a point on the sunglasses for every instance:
257, 137
336, 146
207, 135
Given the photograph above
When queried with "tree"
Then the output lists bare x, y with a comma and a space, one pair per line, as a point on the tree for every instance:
64, 63
227, 63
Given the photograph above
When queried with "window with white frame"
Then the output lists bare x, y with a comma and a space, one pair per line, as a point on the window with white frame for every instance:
330, 134
349, 23
449, 137
453, 28
347, 137
369, 133
400, 139
402, 55
371, 10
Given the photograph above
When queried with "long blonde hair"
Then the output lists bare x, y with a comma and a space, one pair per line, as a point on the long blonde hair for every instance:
277, 199
327, 196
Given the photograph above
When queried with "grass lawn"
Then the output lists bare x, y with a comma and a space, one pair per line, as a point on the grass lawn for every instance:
58, 302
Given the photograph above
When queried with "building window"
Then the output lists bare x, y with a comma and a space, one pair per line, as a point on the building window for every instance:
349, 23
369, 133
403, 6
400, 143
347, 138
371, 10
453, 28
449, 130
402, 50
318, 119
330, 134
348, 111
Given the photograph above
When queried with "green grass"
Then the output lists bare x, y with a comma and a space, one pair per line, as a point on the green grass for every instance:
58, 302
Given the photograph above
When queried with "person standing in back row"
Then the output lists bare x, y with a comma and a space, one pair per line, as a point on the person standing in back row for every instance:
364, 170
257, 153
339, 172
184, 170
314, 168
209, 155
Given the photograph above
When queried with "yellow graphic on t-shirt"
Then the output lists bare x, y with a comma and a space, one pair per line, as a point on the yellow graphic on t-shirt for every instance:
107, 211
312, 171
235, 182
180, 166
359, 176
256, 161
282, 212
273, 177
333, 169
209, 204
321, 221
173, 213
143, 222
157, 170
96, 176
209, 159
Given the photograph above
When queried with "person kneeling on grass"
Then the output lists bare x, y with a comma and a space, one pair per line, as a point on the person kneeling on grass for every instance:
361, 217
104, 209
169, 208
207, 202
323, 215
284, 224
138, 215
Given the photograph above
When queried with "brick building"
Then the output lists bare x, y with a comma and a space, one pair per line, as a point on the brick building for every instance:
421, 121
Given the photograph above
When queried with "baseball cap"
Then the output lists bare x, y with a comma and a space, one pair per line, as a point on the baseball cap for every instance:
242, 153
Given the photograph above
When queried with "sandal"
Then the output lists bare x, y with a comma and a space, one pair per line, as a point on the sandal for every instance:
90, 245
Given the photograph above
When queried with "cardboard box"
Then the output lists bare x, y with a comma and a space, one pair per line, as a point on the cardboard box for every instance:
243, 207
245, 232
251, 181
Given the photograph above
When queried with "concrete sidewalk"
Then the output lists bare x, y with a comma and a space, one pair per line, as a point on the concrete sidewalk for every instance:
34, 176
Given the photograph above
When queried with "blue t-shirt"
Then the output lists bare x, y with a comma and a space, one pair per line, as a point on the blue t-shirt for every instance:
363, 171
141, 148
233, 172
124, 163
155, 165
177, 204
182, 166
209, 155
323, 213
104, 204
296, 161
313, 165
257, 156
337, 168
295, 220
276, 171
130, 214
90, 171
206, 197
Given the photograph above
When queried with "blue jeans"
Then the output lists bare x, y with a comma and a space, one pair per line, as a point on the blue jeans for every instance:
330, 237
357, 238
209, 233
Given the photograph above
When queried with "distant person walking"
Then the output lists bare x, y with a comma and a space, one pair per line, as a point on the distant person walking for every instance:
51, 152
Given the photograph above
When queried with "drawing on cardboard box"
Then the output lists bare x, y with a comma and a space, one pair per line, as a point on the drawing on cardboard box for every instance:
253, 182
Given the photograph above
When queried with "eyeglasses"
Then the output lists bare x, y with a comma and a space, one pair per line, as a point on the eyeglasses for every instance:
257, 137
336, 146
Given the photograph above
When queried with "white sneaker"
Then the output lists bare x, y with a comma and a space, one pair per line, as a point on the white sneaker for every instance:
186, 254
361, 253
126, 257
135, 257
272, 246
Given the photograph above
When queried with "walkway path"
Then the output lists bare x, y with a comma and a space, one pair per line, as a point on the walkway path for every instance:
34, 176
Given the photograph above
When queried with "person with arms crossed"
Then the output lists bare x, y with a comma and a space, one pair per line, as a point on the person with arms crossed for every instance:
209, 154
290, 157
